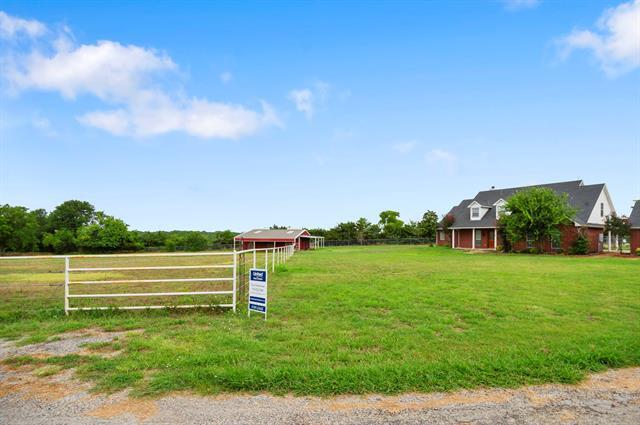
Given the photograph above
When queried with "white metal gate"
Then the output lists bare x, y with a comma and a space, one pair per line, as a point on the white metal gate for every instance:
227, 263
68, 296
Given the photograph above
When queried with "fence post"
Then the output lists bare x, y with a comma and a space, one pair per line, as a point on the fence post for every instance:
255, 254
273, 260
66, 286
235, 266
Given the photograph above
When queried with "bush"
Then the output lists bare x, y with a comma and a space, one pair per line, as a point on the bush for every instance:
60, 241
580, 245
499, 248
638, 252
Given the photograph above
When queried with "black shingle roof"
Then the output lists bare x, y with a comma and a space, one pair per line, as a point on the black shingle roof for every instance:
634, 218
580, 196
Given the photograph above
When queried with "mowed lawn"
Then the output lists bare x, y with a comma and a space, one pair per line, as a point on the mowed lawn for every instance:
378, 319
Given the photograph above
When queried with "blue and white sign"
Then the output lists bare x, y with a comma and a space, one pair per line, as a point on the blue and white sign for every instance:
258, 291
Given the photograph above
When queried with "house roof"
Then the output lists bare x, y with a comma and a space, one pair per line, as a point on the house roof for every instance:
270, 234
634, 218
580, 196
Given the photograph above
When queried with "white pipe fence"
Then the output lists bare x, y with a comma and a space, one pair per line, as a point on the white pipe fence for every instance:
272, 257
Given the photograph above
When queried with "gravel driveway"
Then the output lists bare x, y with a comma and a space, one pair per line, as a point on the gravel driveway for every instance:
612, 397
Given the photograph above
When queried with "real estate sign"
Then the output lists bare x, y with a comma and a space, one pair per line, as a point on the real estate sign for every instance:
258, 291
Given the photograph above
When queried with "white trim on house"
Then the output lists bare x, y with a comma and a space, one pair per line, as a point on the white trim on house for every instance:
481, 209
604, 202
467, 228
499, 206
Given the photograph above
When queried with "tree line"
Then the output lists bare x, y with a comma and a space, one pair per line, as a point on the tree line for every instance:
389, 226
76, 226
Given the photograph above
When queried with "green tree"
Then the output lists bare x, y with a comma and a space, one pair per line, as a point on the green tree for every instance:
343, 231
427, 226
363, 229
71, 215
391, 224
19, 229
581, 245
318, 231
223, 237
536, 213
411, 230
195, 241
103, 233
61, 241
618, 226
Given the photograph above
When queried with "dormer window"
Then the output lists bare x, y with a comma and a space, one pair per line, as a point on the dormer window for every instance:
475, 212
499, 211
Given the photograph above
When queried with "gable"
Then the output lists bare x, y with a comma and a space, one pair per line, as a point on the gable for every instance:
602, 208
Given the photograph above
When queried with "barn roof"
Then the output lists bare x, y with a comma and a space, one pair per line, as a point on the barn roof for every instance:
269, 234
634, 218
580, 196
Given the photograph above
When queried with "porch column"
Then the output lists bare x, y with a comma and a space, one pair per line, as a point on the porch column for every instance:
453, 238
617, 243
473, 238
609, 241
495, 239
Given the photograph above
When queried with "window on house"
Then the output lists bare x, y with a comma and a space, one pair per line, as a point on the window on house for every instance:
475, 212
499, 210
601, 209
529, 241
442, 235
555, 243
478, 238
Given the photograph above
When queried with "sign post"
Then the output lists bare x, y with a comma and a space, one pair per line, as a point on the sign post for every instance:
258, 291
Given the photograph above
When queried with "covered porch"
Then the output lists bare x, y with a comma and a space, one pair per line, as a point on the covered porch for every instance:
474, 238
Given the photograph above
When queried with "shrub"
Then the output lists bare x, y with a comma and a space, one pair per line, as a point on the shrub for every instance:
638, 252
60, 241
499, 248
580, 245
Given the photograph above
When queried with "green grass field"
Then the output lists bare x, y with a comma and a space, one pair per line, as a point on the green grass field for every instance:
378, 319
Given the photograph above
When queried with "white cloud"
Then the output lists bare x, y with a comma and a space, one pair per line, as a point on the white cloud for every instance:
303, 99
108, 70
11, 26
226, 77
442, 158
116, 122
157, 114
515, 5
404, 147
44, 125
126, 78
616, 45
307, 100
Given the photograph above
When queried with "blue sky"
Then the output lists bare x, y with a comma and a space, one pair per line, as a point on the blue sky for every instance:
240, 115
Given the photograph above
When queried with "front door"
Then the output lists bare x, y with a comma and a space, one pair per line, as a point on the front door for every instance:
491, 240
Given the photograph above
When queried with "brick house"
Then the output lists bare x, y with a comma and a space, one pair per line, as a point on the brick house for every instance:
634, 220
474, 220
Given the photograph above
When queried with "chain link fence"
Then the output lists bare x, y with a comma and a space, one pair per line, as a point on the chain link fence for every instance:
401, 241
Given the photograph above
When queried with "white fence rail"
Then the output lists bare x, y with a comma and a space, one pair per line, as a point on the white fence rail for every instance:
272, 257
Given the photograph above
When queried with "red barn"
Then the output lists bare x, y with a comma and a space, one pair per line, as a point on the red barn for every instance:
272, 238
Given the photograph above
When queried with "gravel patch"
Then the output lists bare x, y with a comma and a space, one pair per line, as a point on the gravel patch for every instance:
612, 397
67, 343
